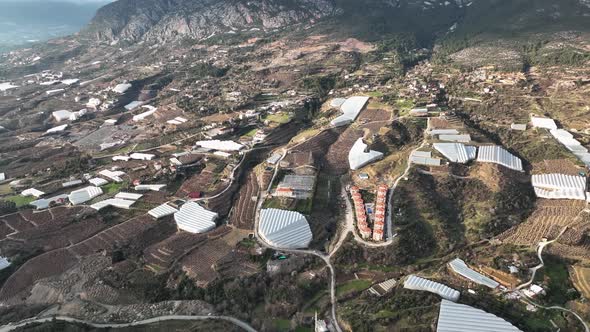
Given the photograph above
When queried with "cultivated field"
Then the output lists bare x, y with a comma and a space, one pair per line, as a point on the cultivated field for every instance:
244, 209
200, 264
581, 279
564, 166
547, 221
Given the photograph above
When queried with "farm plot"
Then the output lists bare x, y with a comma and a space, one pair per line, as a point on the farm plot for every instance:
43, 266
244, 210
581, 279
337, 155
200, 264
374, 114
160, 256
53, 236
547, 221
206, 182
223, 203
563, 166
115, 236
17, 222
319, 144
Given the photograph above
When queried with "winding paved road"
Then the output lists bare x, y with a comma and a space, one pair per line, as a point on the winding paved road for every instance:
235, 321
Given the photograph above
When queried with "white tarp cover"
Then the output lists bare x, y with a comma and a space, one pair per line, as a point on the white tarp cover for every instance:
115, 202
417, 283
220, 145
97, 182
284, 229
559, 181
498, 155
455, 138
44, 203
351, 109
4, 263
462, 269
7, 86
543, 123
84, 195
455, 317
194, 218
57, 129
32, 192
152, 187
129, 196
113, 175
358, 157
142, 156
162, 211
443, 132
456, 152
122, 88
559, 186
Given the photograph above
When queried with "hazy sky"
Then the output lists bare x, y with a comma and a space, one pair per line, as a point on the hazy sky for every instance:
74, 1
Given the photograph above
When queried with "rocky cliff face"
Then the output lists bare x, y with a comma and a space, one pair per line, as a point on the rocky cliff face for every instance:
161, 20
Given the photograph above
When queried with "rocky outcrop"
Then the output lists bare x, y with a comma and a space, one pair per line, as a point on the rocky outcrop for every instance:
163, 20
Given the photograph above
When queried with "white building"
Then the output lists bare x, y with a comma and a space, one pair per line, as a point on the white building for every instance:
62, 115
421, 284
142, 156
121, 158
133, 105
84, 195
93, 103
32, 192
122, 88
194, 218
360, 155
72, 183
284, 229
424, 158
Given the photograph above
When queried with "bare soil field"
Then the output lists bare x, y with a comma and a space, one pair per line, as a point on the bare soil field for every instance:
200, 264
337, 155
547, 221
563, 166
374, 114
581, 279
244, 209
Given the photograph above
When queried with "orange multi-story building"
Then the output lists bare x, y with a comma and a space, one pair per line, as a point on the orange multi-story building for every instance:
361, 215
378, 235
